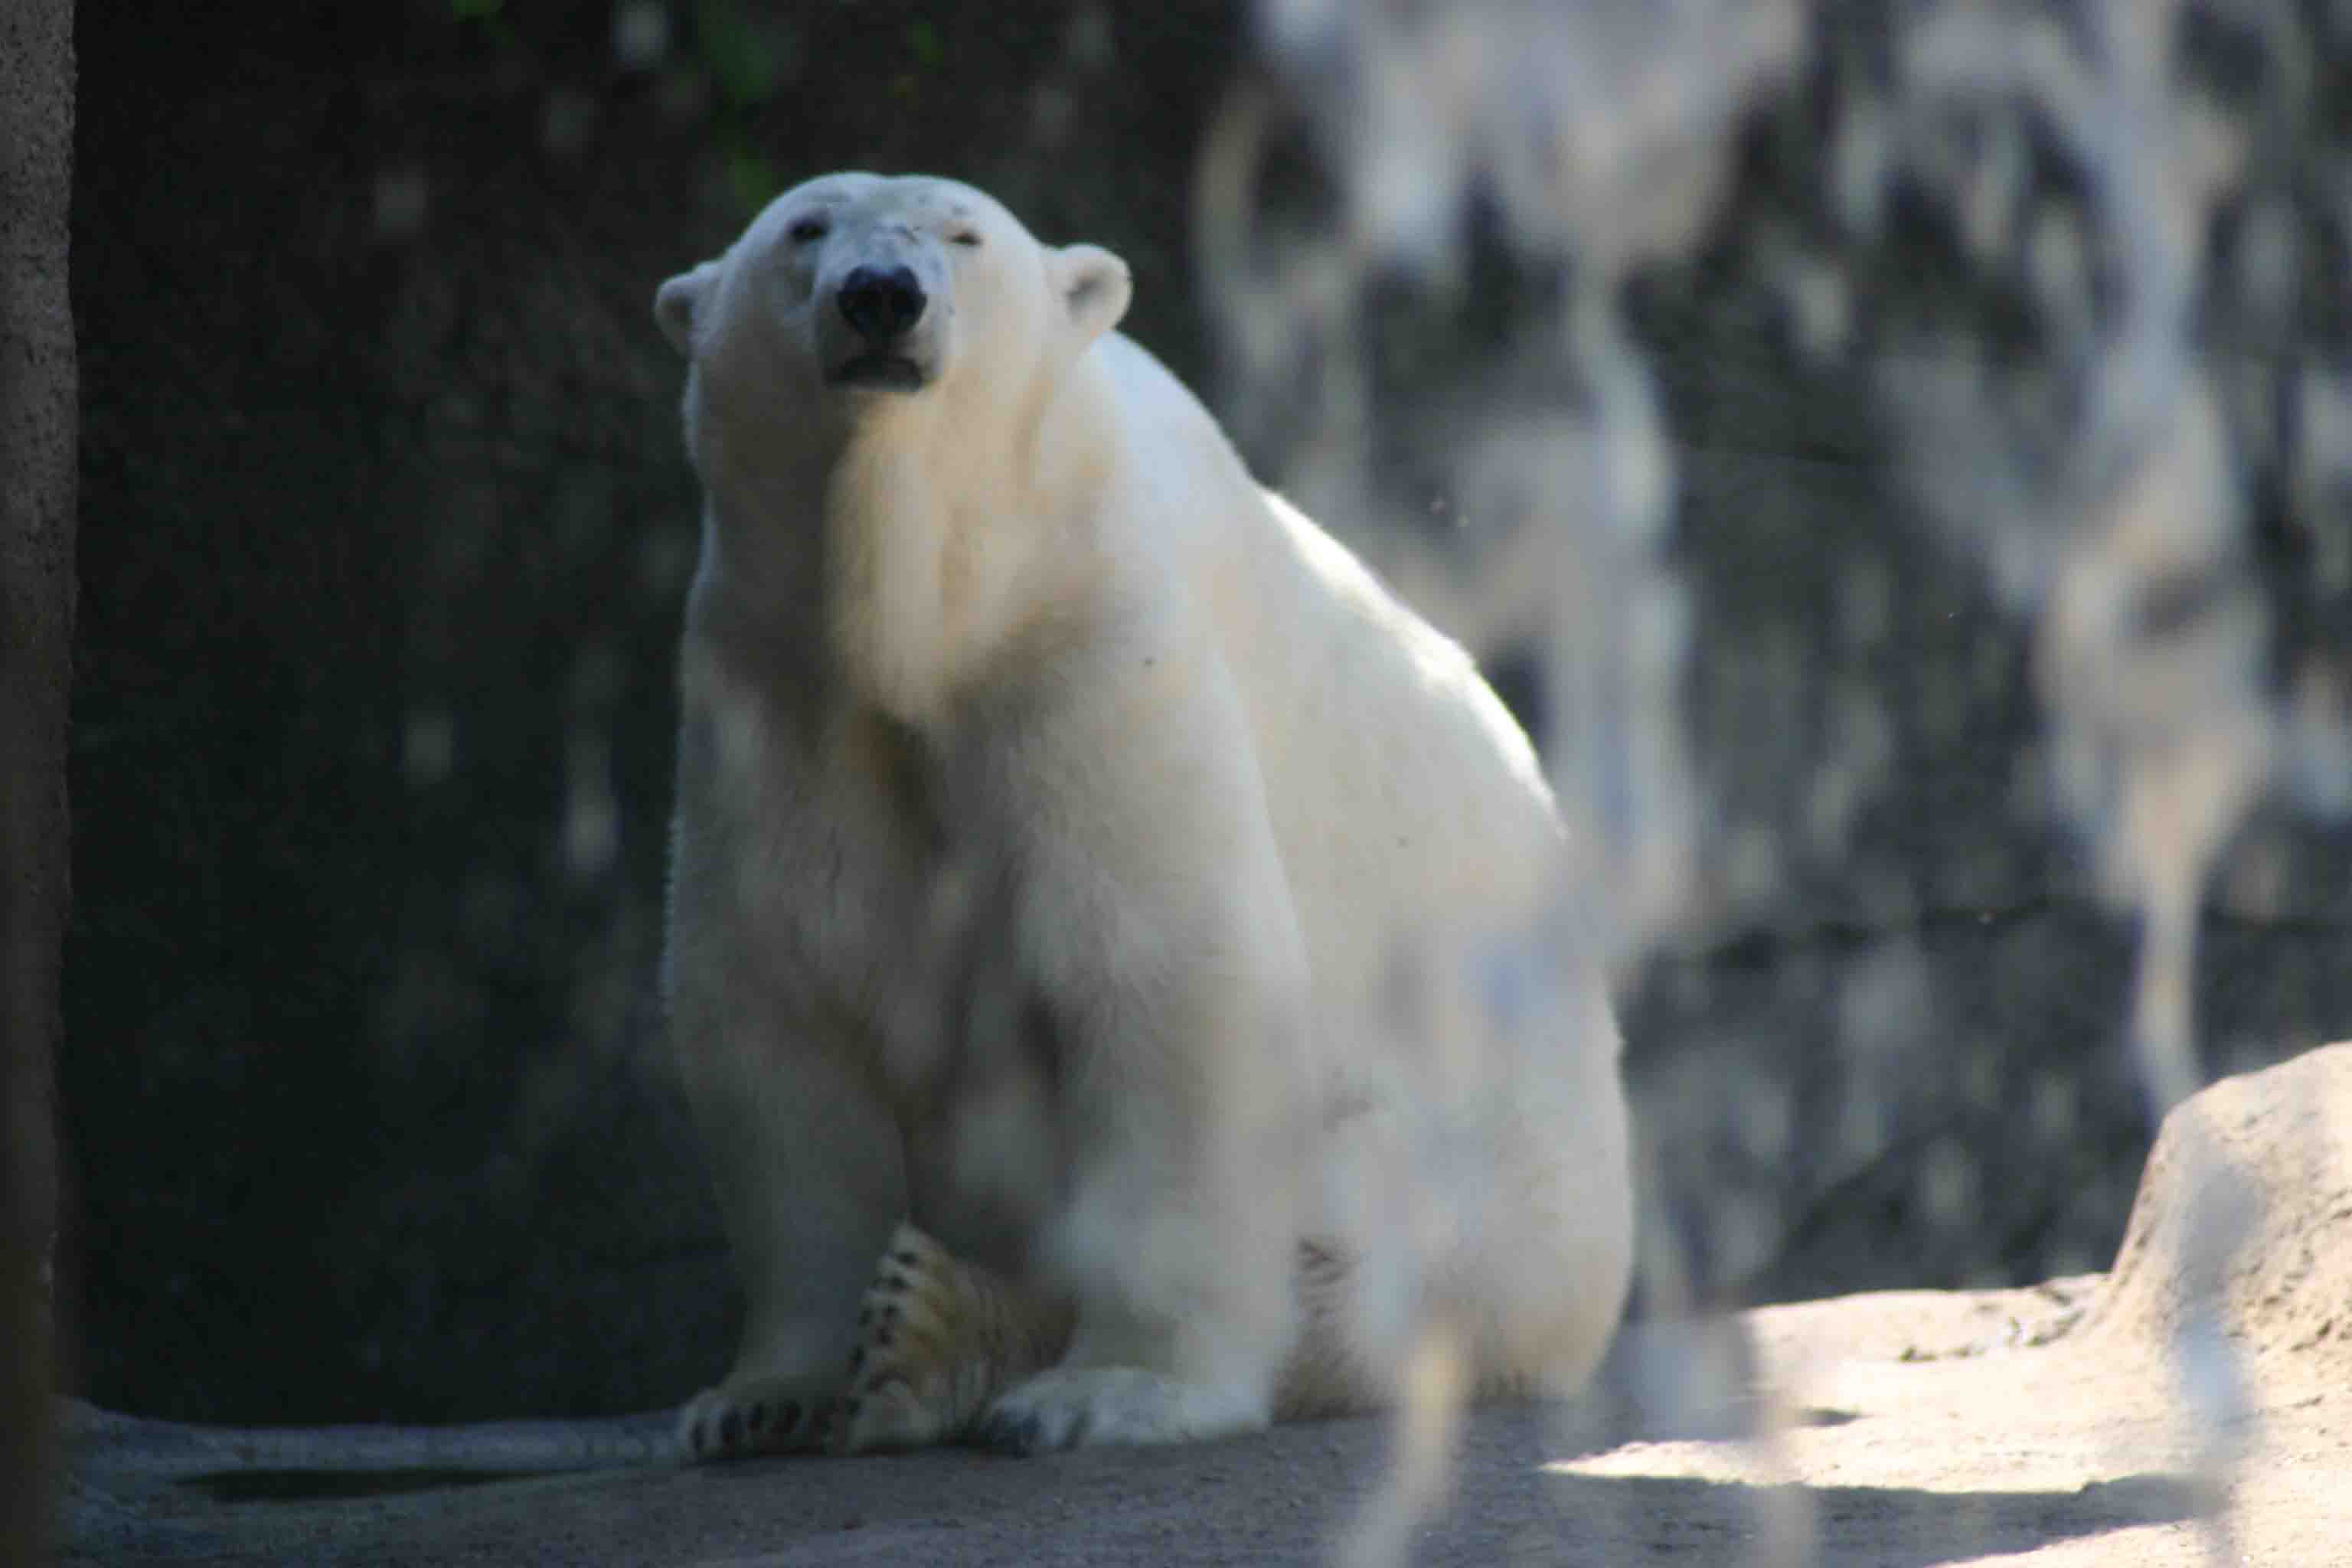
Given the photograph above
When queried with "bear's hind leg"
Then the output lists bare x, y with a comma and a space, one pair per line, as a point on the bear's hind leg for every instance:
939, 1340
1547, 1280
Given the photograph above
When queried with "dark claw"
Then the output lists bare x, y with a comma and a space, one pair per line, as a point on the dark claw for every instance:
758, 1421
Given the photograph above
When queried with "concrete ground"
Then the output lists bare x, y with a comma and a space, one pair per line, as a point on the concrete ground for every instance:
2057, 1425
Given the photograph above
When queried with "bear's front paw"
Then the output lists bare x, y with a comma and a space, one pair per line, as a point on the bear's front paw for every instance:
911, 1382
1090, 1407
739, 1419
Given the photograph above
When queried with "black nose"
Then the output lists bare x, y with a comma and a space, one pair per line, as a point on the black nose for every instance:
881, 302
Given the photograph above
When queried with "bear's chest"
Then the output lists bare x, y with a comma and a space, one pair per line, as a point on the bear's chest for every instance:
855, 821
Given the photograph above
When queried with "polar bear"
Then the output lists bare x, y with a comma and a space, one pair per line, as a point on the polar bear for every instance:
1095, 902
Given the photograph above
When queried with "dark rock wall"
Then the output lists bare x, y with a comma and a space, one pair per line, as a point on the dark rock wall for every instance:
387, 527
1911, 1061
384, 528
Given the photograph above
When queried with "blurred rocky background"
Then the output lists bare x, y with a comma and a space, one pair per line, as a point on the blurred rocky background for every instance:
385, 526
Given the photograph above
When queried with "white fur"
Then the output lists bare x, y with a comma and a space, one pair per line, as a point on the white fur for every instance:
1078, 850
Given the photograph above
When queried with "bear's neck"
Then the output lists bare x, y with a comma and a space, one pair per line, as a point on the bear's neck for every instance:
936, 549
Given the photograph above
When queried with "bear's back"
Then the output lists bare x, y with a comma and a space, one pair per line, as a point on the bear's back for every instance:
1403, 796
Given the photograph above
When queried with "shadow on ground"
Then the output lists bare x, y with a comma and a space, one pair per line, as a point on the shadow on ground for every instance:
147, 1491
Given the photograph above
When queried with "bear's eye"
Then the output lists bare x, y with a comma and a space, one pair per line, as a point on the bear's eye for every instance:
966, 236
806, 230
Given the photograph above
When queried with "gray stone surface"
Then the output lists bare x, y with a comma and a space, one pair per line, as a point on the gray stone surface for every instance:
151, 1493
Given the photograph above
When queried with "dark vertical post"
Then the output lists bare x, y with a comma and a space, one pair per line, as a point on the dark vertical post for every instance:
38, 431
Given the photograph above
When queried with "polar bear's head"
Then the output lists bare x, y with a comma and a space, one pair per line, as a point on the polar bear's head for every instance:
859, 291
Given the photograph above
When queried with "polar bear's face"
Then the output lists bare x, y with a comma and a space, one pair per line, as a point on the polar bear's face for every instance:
860, 290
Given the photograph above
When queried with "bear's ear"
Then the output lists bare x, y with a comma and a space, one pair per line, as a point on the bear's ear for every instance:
1093, 286
680, 300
